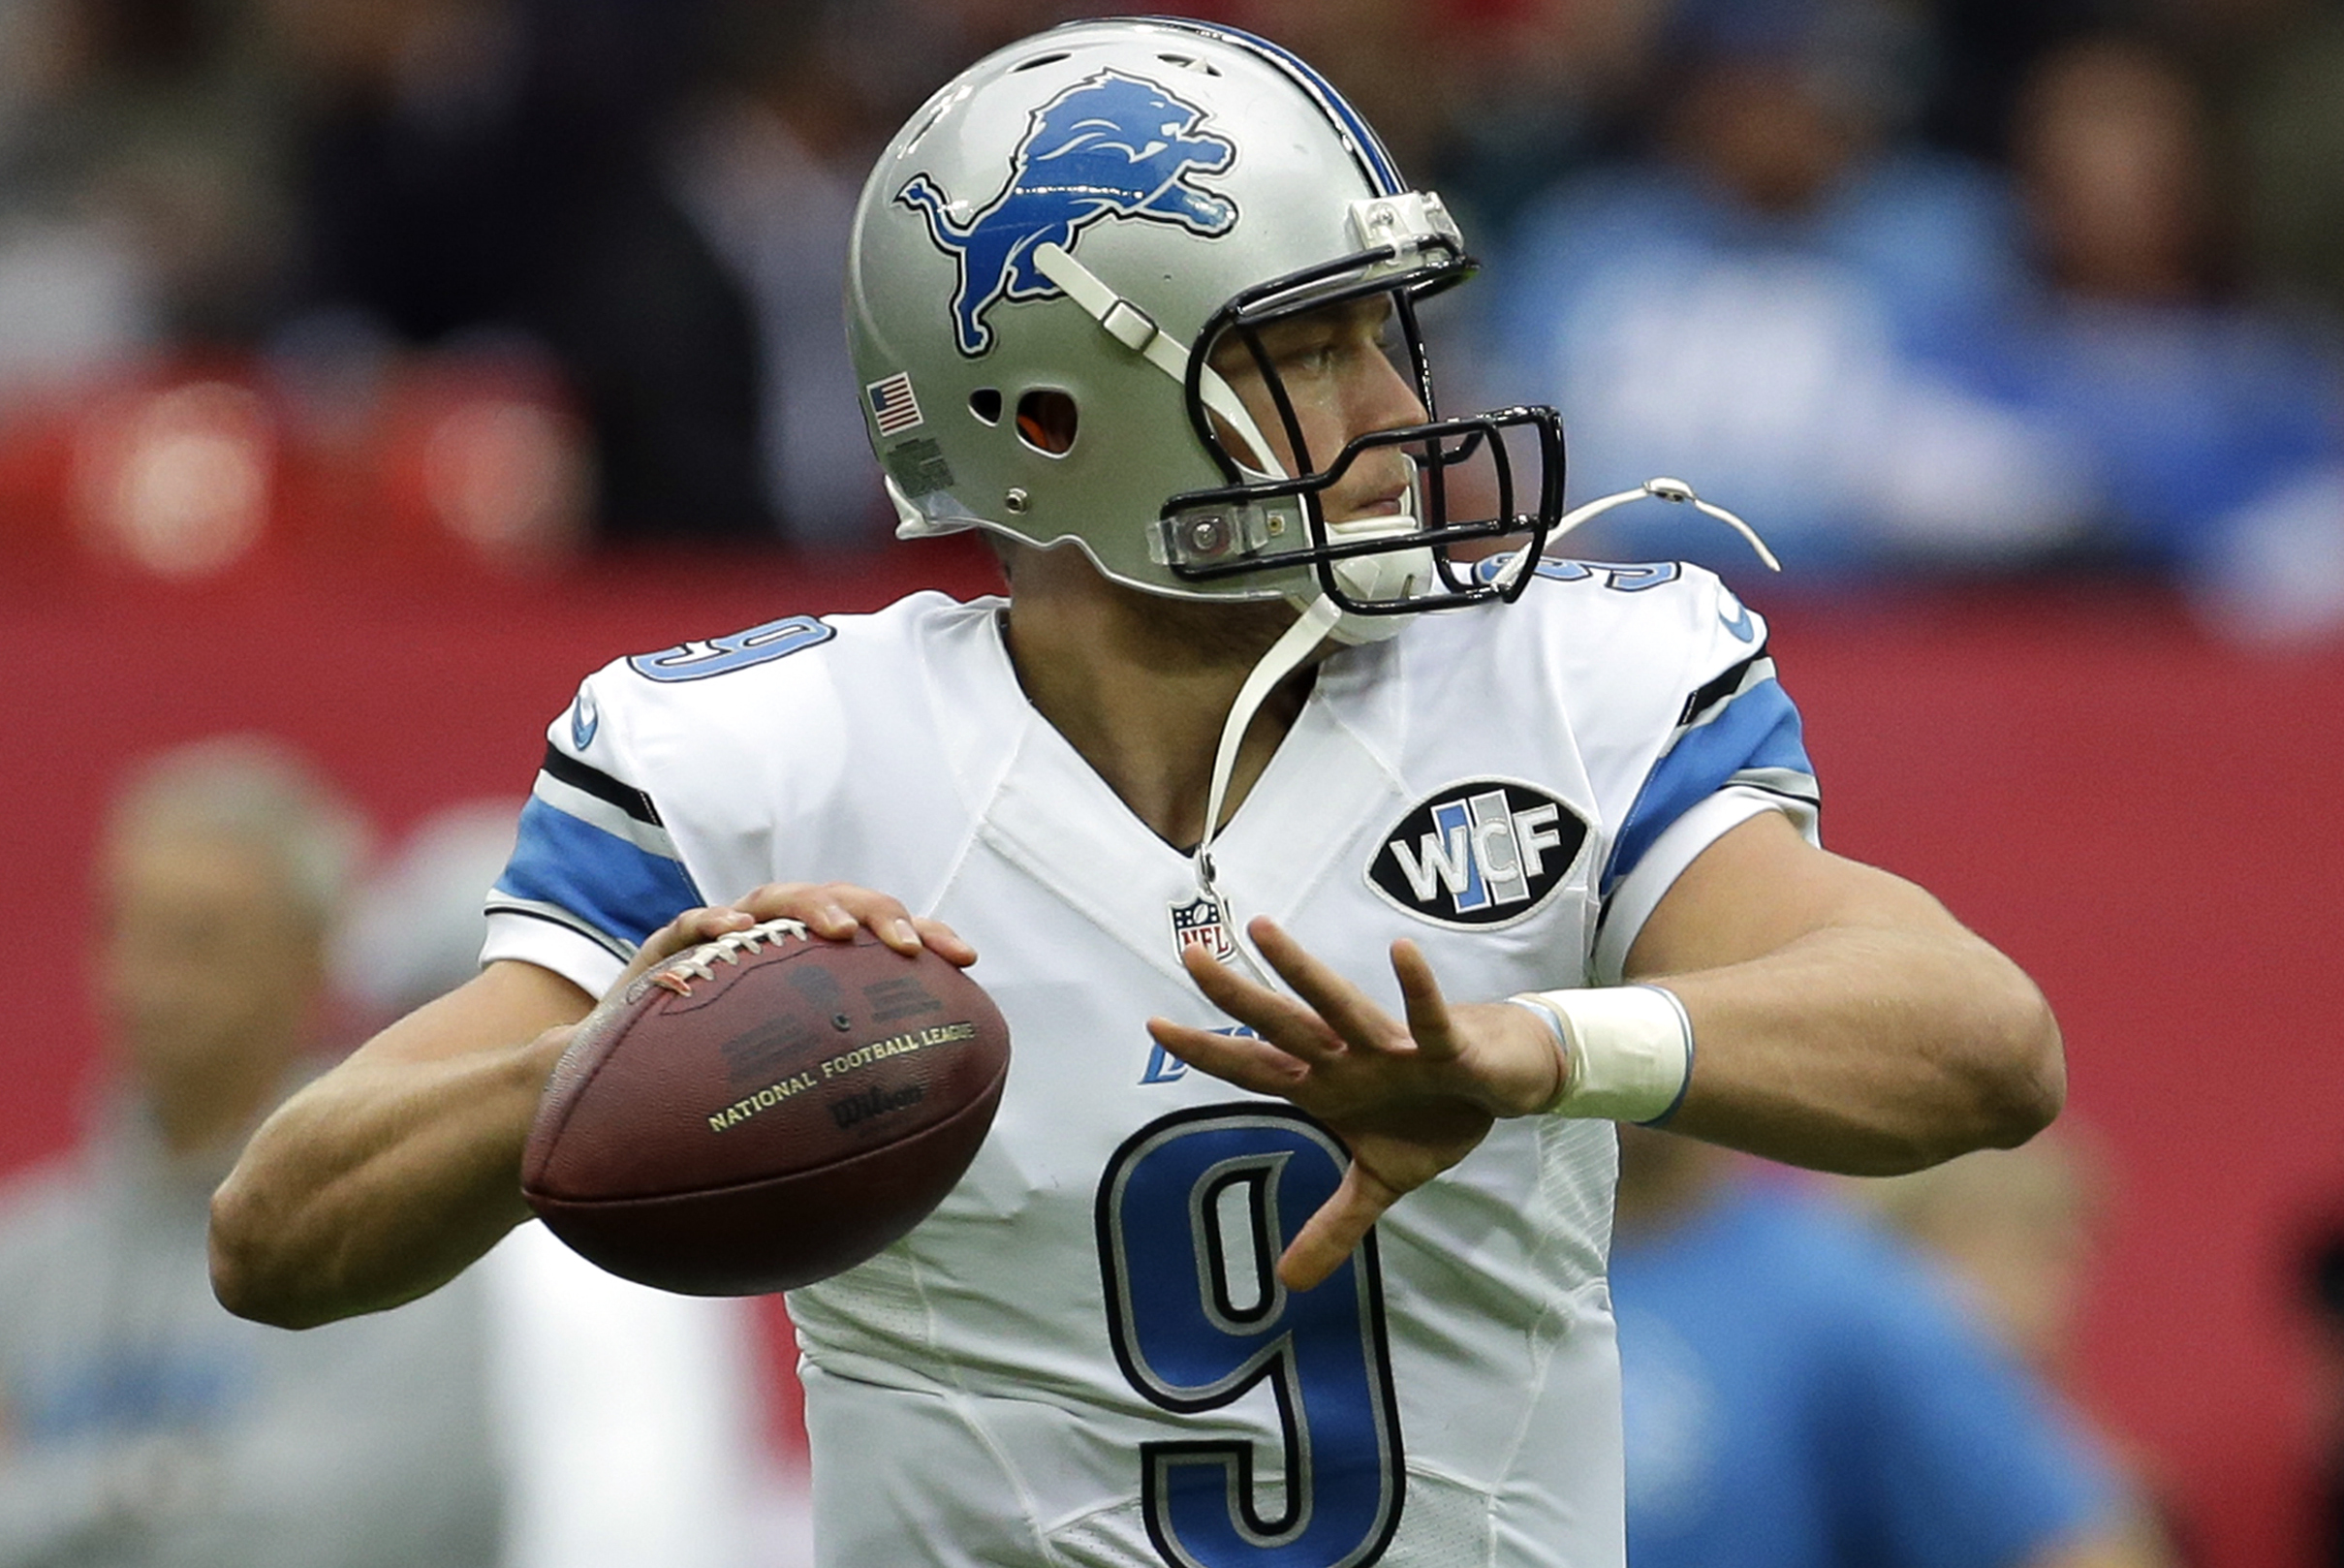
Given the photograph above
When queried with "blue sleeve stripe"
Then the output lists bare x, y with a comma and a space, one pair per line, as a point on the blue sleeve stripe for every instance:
1758, 730
607, 883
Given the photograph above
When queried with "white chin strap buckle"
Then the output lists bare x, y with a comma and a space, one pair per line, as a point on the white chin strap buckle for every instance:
1662, 489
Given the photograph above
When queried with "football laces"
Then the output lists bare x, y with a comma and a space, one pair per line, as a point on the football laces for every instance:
699, 964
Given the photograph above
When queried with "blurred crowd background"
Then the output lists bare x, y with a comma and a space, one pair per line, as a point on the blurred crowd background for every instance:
1924, 288
368, 368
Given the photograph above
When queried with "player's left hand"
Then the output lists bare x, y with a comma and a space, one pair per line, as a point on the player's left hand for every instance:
1409, 1097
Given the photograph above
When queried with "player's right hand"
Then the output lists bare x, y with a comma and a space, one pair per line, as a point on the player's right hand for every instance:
830, 910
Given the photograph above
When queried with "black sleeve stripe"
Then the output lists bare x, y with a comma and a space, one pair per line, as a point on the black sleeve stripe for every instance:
576, 927
600, 785
1718, 689
1812, 799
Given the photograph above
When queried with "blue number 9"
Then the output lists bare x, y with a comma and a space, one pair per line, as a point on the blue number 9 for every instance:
1192, 1212
736, 650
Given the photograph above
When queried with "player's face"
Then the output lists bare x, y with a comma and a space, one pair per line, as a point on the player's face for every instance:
1341, 370
206, 969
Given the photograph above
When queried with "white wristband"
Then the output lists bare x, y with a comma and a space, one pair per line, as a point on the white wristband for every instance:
1627, 1050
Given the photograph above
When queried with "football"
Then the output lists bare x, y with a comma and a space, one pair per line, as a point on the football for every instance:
765, 1111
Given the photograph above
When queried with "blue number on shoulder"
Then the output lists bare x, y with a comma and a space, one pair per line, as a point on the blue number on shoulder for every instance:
1637, 578
1192, 1212
1552, 567
1632, 579
722, 655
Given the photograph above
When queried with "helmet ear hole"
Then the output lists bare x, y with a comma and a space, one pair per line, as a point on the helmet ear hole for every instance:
985, 403
1046, 421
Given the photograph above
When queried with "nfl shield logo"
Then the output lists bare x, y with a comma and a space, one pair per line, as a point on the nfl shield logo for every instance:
1204, 922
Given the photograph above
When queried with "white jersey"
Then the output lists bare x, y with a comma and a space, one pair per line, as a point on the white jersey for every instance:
1081, 1356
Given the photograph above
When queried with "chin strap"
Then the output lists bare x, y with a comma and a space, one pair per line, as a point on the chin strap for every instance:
1137, 330
1295, 644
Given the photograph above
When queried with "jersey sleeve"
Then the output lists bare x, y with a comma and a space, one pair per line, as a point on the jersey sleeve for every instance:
594, 870
1737, 749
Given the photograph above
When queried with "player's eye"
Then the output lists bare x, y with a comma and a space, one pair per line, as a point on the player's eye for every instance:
1308, 348
1311, 358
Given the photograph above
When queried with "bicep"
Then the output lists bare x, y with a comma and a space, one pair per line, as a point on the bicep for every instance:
1761, 886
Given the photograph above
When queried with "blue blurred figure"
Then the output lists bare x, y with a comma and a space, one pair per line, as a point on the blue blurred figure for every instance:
2209, 426
140, 1424
1778, 307
1801, 1392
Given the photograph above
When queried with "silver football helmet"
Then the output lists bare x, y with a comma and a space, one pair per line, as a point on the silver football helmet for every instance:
1051, 256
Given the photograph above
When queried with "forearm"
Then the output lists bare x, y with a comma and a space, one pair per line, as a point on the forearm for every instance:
384, 1179
1842, 1019
1869, 1050
370, 1190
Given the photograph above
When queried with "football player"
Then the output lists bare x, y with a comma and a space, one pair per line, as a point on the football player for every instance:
1345, 864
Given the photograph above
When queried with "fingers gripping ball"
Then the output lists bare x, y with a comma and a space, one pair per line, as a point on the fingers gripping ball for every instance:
765, 1111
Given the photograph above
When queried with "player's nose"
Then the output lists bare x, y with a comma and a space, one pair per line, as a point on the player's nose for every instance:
1384, 398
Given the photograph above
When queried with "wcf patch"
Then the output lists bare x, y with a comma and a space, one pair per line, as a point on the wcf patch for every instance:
1485, 853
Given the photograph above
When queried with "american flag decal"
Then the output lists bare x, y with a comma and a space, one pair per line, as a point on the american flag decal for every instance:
894, 408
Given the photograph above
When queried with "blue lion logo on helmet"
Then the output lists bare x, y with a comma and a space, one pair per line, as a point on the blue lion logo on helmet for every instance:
1109, 146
